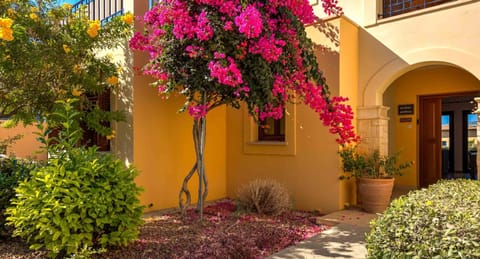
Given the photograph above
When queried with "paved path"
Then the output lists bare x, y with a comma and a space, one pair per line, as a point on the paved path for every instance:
345, 238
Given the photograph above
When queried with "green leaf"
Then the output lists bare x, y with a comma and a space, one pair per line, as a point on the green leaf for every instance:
35, 246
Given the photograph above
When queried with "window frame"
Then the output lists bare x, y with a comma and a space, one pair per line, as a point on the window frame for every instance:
90, 137
277, 129
251, 144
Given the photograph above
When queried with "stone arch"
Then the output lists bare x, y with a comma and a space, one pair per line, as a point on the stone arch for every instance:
384, 76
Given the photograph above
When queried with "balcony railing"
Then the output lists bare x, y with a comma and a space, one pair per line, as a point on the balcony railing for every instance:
396, 7
102, 10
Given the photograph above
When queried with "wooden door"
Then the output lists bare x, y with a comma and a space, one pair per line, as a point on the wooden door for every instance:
430, 163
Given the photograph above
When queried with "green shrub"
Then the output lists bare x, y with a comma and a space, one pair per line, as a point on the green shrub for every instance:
88, 200
81, 199
264, 196
441, 221
12, 172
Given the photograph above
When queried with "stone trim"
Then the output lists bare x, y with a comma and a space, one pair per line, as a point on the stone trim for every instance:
372, 125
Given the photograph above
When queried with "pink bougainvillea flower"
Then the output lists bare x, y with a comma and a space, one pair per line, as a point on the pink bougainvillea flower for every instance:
138, 41
198, 111
194, 51
231, 51
203, 29
250, 22
270, 111
228, 26
219, 55
228, 75
243, 90
279, 88
183, 23
269, 47
331, 7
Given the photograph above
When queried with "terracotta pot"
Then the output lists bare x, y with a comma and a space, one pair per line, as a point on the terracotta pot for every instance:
375, 193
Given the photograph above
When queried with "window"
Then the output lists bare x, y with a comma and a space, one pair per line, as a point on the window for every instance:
90, 137
276, 137
272, 130
448, 134
397, 7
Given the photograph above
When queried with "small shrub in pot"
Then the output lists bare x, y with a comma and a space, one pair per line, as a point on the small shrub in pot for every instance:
374, 175
371, 165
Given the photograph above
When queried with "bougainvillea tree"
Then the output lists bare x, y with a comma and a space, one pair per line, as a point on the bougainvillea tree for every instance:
48, 52
217, 52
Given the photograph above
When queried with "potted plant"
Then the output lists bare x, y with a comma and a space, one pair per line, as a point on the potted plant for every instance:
374, 174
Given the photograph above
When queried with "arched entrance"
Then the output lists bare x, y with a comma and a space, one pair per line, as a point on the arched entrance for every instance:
418, 99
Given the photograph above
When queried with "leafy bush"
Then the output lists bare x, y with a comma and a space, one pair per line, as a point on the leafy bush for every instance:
441, 221
371, 165
264, 196
12, 172
81, 199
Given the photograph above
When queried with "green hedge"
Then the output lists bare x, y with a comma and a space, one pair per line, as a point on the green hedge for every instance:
12, 172
442, 221
81, 201
86, 201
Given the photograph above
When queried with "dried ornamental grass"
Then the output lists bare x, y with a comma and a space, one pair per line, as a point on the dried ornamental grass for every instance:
265, 196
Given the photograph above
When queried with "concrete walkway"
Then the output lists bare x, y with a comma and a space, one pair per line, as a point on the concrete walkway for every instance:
345, 238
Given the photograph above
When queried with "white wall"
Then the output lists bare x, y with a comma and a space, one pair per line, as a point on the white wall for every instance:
390, 47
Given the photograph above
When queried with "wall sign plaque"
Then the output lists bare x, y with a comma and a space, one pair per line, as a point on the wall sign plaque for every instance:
405, 109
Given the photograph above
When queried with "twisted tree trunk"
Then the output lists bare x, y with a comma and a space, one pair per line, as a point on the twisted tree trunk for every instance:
199, 131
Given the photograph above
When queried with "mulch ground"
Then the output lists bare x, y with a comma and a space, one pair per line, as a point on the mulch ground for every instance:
224, 233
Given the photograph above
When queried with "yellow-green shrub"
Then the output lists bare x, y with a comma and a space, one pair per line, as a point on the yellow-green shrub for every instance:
12, 172
441, 221
80, 200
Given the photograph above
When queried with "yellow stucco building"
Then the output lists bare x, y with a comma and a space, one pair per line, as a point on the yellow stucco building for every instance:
408, 71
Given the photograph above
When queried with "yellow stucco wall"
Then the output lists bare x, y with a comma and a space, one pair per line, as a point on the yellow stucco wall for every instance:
338, 56
311, 172
163, 148
27, 146
164, 152
348, 74
430, 80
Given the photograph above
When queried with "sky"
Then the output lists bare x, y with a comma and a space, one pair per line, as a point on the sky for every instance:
67, 1
445, 120
472, 119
